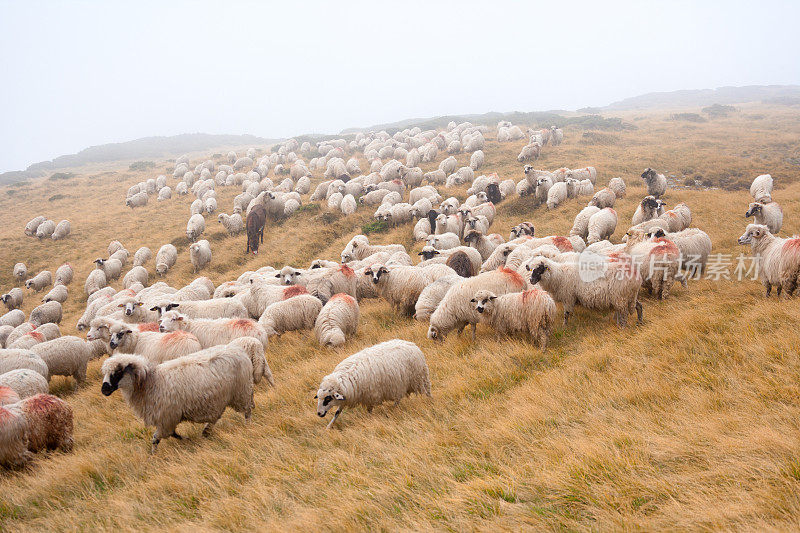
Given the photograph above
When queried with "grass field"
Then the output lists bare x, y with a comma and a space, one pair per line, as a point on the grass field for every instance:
690, 421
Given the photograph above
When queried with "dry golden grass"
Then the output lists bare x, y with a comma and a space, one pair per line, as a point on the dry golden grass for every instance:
687, 422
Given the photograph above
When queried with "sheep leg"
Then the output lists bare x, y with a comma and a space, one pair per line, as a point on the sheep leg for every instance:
768, 288
369, 409
154, 442
176, 436
566, 316
639, 312
335, 416
622, 318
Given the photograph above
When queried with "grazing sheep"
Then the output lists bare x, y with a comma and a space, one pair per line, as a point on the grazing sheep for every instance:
213, 332
137, 274
532, 311
215, 308
360, 248
62, 230
64, 274
296, 313
523, 228
95, 281
137, 200
13, 318
657, 260
154, 346
656, 183
121, 256
779, 259
47, 312
57, 294
12, 359
33, 225
200, 254
693, 244
20, 272
142, 256
112, 268
195, 227
485, 244
556, 194
45, 229
193, 388
5, 331
770, 215
617, 287
233, 224
166, 258
761, 189
476, 160
69, 356
24, 382
348, 205
7, 396
618, 186
40, 422
388, 371
431, 295
601, 225
581, 225
40, 281
455, 311
341, 279
13, 298
337, 319
603, 198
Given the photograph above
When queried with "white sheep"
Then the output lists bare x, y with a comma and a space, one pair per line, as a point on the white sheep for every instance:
154, 346
194, 388
166, 258
658, 261
36, 423
779, 259
111, 267
388, 371
33, 225
20, 272
62, 230
233, 224
603, 198
13, 298
200, 254
431, 295
69, 356
485, 244
615, 287
601, 225
214, 308
195, 227
443, 241
348, 205
12, 359
13, 318
137, 200
532, 311
761, 189
646, 210
45, 229
678, 218
337, 319
769, 215
40, 281
618, 186
360, 248
213, 332
556, 194
95, 281
25, 382
432, 256
45, 313
296, 313
58, 294
455, 310
693, 244
656, 183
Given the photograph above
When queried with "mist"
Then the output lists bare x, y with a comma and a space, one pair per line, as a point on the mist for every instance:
85, 73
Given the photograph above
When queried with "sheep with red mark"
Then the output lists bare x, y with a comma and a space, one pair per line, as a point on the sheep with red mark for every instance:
24, 382
27, 341
532, 311
214, 308
779, 259
337, 320
341, 279
657, 260
8, 396
455, 310
678, 218
154, 346
36, 423
213, 332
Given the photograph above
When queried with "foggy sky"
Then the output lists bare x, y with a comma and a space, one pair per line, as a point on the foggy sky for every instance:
75, 74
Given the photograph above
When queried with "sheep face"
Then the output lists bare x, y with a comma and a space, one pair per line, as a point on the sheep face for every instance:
97, 332
288, 276
171, 321
537, 269
130, 306
429, 253
375, 272
435, 334
120, 374
483, 301
650, 203
117, 338
327, 398
754, 209
648, 175
754, 232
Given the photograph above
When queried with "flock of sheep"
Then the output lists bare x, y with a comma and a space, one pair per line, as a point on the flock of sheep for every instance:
188, 353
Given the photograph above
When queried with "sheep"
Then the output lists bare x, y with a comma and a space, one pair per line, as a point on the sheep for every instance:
25, 341
388, 371
164, 193
523, 228
13, 359
476, 159
581, 225
40, 281
529, 151
603, 198
694, 246
532, 311
166, 258
443, 241
95, 281
484, 244
438, 177
47, 312
601, 225
137, 200
778, 259
142, 256
57, 294
214, 308
36, 423
45, 229
5, 331
455, 311
33, 225
233, 224
195, 227
432, 256
61, 231
657, 260
64, 274
296, 313
431, 295
20, 272
154, 346
13, 318
646, 210
13, 298
200, 254
193, 388
8, 396
121, 256
360, 248
24, 382
399, 285
348, 205
656, 183
112, 268
616, 287
556, 194
761, 190
213, 332
137, 274
341, 279
69, 356
766, 214
337, 319
618, 186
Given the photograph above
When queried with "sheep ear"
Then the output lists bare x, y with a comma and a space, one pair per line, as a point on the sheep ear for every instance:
316, 396
276, 275
493, 297
421, 253
120, 305
338, 396
171, 306
128, 331
472, 301
154, 308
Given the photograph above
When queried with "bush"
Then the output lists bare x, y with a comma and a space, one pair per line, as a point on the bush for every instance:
687, 117
141, 165
718, 110
376, 226
61, 176
593, 137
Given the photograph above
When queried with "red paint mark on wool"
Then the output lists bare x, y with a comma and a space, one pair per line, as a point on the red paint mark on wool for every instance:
5, 415
562, 243
530, 295
513, 276
612, 211
294, 290
7, 395
665, 247
174, 337
345, 297
347, 271
672, 214
36, 335
40, 402
148, 326
791, 245
241, 323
